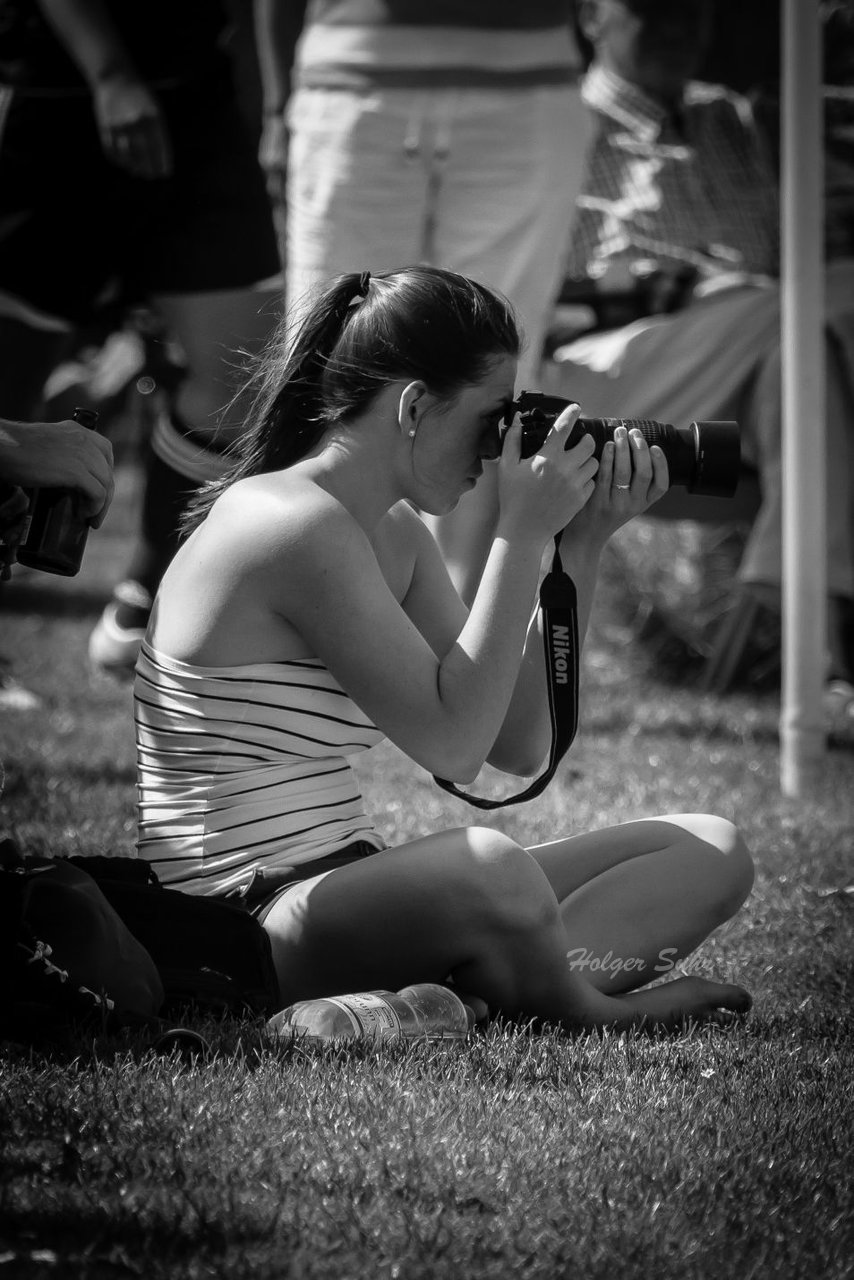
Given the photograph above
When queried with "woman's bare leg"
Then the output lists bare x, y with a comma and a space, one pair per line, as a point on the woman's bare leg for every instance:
636, 898
473, 905
217, 331
467, 903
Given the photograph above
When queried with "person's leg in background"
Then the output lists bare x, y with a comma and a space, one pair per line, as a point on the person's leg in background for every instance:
186, 449
504, 207
761, 566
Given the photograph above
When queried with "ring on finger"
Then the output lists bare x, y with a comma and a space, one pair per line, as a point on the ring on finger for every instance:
622, 486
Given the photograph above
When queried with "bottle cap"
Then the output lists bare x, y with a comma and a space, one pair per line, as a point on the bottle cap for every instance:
477, 1010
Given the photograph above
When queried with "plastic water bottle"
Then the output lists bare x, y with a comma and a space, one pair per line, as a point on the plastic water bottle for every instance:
426, 1010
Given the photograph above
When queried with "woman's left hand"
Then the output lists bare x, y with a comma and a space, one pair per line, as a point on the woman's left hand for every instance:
630, 478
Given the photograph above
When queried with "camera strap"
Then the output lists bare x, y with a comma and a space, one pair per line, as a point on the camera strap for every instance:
559, 606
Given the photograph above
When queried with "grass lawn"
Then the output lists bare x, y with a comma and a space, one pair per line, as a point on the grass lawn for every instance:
711, 1154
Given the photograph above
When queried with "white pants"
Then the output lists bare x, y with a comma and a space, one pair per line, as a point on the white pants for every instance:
480, 181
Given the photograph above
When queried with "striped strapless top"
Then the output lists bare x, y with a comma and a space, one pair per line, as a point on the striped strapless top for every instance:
244, 767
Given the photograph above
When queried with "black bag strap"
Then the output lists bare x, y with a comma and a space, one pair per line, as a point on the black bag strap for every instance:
559, 605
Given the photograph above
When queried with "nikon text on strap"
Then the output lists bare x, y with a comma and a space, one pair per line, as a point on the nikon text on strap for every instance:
559, 605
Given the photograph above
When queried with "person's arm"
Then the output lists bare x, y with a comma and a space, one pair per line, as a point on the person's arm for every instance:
527, 720
434, 606
277, 29
130, 123
317, 569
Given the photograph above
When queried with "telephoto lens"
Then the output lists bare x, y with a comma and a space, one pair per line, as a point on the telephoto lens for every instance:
705, 457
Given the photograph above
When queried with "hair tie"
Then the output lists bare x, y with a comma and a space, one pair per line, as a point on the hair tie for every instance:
361, 292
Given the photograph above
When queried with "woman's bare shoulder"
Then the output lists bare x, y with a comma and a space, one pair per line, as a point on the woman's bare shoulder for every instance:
275, 494
277, 512
239, 580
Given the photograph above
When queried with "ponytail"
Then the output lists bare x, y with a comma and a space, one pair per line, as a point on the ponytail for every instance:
286, 415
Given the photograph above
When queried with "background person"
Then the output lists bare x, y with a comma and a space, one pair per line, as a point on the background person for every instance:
310, 613
445, 134
126, 170
678, 178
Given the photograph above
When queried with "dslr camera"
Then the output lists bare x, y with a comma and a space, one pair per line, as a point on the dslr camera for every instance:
705, 457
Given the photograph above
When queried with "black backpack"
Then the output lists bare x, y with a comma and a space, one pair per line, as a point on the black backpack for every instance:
116, 931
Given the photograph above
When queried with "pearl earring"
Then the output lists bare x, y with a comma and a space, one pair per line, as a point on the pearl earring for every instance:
411, 432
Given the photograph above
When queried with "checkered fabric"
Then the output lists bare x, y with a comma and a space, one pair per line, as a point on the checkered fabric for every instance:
694, 186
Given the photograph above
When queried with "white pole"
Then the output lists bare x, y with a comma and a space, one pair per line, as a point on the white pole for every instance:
802, 735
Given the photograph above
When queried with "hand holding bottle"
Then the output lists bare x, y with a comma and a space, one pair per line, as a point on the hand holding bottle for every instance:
59, 455
70, 468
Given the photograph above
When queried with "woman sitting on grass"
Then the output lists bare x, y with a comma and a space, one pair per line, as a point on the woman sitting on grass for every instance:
310, 613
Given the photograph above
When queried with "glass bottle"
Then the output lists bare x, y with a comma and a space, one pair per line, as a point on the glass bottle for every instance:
55, 534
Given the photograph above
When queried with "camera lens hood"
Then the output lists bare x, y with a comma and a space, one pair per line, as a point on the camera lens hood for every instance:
718, 454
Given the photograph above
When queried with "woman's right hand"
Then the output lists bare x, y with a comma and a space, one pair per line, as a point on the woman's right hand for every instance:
539, 495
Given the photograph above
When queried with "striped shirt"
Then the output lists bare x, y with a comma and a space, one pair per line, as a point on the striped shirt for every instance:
414, 44
244, 767
697, 190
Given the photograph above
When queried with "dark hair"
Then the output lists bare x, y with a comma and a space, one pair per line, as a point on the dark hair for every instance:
363, 333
